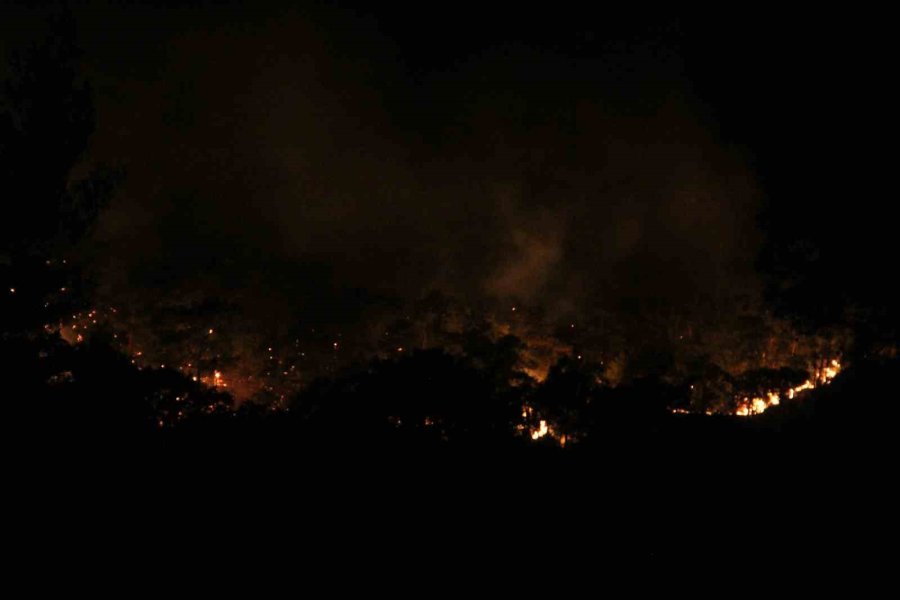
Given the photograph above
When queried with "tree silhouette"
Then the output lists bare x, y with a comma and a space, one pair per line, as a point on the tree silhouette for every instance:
827, 264
46, 118
568, 395
759, 382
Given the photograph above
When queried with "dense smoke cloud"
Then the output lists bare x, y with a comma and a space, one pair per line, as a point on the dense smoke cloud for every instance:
302, 167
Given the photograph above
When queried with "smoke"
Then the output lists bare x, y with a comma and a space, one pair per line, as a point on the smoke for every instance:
302, 169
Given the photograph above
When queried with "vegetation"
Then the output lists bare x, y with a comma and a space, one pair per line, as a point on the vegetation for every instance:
443, 380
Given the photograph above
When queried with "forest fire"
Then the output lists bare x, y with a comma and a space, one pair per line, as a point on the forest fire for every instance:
757, 405
568, 263
326, 242
274, 374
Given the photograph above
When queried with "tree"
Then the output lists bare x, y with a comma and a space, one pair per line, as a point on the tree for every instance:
46, 118
829, 266
759, 382
569, 395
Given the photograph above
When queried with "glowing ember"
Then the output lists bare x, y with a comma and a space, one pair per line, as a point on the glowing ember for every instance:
218, 381
270, 374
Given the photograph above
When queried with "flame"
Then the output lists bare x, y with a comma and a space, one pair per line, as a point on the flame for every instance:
830, 372
541, 431
543, 428
757, 405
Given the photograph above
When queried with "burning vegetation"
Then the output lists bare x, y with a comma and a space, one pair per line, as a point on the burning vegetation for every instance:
598, 276
555, 369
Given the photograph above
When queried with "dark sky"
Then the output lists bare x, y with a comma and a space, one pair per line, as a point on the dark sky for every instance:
302, 155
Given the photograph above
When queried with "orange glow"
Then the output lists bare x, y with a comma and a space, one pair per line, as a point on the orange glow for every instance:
754, 406
540, 431
218, 381
543, 429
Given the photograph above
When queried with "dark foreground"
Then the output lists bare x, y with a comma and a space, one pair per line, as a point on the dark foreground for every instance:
807, 482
